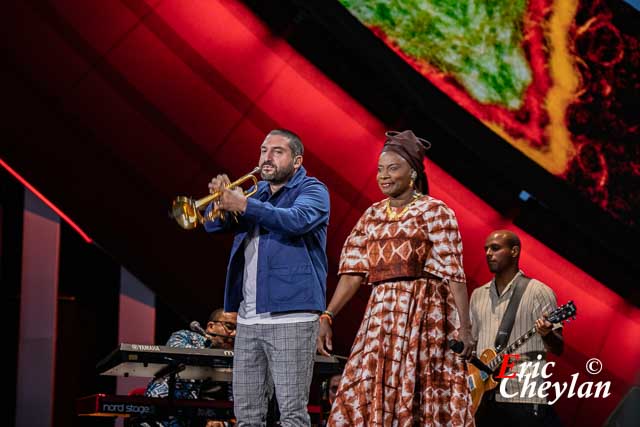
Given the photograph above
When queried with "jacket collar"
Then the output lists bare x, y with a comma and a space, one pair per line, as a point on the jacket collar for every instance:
297, 177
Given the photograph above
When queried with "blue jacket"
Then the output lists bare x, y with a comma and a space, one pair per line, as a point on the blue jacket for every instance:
292, 260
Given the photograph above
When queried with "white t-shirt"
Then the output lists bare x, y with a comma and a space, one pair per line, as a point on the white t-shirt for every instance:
247, 314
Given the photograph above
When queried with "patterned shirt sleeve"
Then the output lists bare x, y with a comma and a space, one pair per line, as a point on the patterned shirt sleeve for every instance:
354, 252
445, 258
186, 339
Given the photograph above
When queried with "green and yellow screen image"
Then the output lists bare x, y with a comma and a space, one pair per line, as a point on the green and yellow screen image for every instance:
557, 79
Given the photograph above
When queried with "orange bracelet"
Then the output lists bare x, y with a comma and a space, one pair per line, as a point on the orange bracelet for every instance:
326, 316
328, 313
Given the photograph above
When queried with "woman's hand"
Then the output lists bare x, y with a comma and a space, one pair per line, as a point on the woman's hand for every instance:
325, 335
464, 335
347, 286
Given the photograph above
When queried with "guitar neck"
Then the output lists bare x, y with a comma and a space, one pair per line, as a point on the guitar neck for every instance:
497, 361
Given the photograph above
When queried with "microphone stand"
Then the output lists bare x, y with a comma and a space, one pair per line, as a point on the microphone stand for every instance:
171, 371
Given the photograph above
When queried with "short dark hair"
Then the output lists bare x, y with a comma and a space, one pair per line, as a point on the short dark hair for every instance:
216, 314
513, 240
295, 143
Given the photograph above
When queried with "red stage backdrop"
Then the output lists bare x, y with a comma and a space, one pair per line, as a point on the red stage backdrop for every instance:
200, 82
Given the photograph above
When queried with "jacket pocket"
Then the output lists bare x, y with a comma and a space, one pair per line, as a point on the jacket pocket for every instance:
291, 284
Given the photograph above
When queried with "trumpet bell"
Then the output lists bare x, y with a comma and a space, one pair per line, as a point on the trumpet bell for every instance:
184, 211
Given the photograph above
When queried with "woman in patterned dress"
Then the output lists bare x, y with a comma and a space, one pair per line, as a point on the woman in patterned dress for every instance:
401, 371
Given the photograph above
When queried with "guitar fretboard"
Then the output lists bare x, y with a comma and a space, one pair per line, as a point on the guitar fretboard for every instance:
558, 315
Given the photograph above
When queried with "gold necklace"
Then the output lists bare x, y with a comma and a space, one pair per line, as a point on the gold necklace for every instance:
393, 215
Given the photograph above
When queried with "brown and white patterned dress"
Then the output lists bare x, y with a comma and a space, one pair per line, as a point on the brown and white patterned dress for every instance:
401, 371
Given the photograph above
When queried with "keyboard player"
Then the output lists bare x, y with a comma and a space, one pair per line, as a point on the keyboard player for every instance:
219, 333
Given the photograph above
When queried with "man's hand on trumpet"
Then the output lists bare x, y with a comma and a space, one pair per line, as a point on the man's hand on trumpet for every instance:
218, 183
232, 200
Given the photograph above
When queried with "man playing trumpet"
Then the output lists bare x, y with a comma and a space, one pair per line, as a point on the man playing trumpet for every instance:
276, 280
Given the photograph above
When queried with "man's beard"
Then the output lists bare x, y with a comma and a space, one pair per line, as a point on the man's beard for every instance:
278, 175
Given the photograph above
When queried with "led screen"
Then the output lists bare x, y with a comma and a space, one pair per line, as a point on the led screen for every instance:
556, 79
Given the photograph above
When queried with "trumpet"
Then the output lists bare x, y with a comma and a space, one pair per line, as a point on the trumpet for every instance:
186, 211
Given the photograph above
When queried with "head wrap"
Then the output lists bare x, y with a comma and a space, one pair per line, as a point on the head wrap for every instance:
411, 148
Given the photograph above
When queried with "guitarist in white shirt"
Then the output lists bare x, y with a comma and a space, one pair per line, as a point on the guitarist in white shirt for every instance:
487, 306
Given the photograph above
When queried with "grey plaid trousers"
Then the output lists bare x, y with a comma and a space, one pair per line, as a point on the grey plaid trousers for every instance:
272, 356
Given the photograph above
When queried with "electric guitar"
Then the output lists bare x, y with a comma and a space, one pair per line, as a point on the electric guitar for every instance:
480, 382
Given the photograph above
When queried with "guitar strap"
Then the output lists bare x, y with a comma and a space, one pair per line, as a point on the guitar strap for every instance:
509, 317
